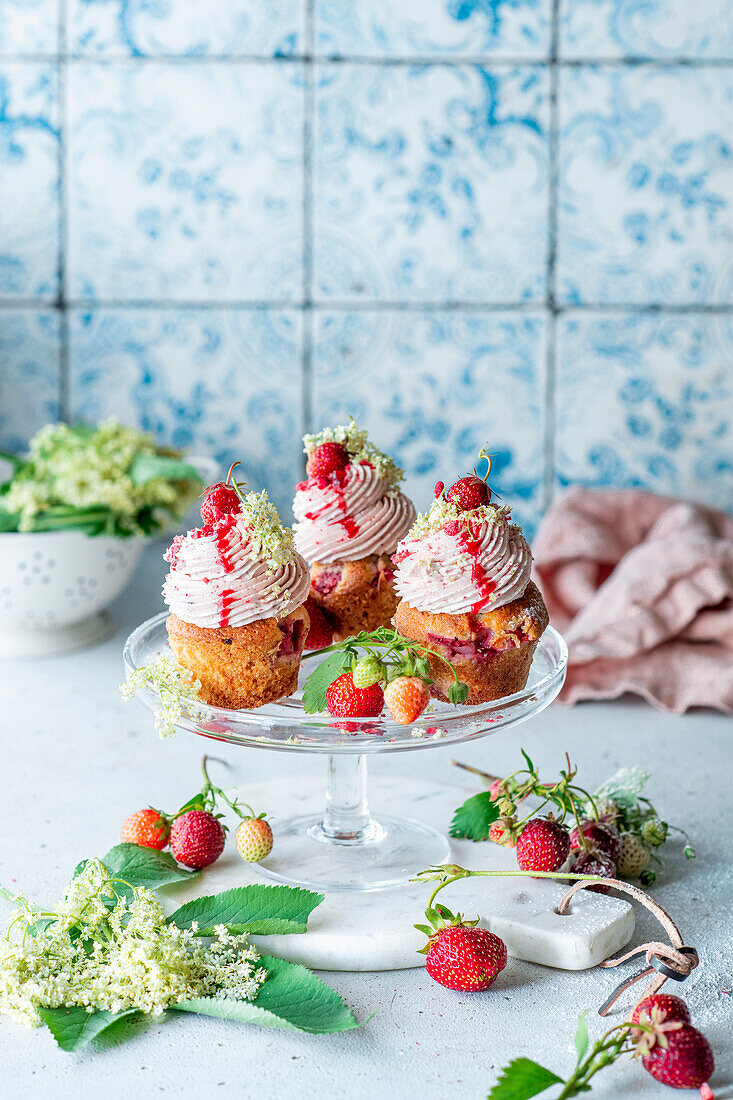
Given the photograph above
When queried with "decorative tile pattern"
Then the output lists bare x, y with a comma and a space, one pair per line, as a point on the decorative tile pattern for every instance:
29, 27
431, 183
29, 181
220, 382
189, 27
29, 375
646, 28
646, 186
179, 191
446, 28
432, 387
647, 400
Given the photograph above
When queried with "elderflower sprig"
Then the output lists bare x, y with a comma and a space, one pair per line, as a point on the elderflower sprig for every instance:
177, 687
360, 448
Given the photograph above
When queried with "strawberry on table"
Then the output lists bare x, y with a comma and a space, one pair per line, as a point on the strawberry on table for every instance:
458, 954
685, 1061
633, 856
148, 828
253, 839
666, 1006
599, 836
197, 839
406, 697
590, 863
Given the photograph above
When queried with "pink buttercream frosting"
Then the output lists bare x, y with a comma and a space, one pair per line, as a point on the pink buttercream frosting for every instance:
349, 514
454, 564
217, 577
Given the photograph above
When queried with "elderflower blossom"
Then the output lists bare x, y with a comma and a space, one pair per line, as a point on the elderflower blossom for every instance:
177, 687
444, 511
360, 448
82, 467
114, 952
270, 542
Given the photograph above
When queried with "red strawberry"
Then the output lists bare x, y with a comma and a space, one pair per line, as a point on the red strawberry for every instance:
668, 1007
320, 633
345, 700
601, 836
439, 487
406, 698
220, 501
686, 1062
589, 863
502, 832
469, 492
465, 958
197, 839
146, 828
543, 845
253, 839
326, 459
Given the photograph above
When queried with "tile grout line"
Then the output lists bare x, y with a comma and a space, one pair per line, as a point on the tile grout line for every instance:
482, 60
392, 306
64, 381
550, 379
306, 411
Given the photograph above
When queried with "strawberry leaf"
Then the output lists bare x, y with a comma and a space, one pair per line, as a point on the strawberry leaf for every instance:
73, 1026
473, 819
581, 1038
522, 1079
321, 678
292, 997
530, 765
260, 910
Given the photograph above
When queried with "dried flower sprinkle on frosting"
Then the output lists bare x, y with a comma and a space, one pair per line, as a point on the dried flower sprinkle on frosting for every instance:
360, 449
462, 562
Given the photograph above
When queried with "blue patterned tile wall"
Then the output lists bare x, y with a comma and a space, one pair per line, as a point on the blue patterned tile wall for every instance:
456, 220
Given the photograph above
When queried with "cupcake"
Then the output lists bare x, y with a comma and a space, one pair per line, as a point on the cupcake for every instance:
236, 590
350, 515
463, 575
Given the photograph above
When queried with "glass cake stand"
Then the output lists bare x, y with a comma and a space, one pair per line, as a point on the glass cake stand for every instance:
343, 847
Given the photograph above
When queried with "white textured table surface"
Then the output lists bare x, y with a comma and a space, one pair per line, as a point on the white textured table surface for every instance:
77, 761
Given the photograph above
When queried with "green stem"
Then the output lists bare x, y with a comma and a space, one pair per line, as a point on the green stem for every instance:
566, 875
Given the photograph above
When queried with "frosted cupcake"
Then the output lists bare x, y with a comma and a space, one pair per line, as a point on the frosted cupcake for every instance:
350, 516
236, 590
463, 575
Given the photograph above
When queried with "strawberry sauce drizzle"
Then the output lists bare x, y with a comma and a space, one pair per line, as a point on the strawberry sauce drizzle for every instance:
224, 605
221, 539
336, 481
472, 546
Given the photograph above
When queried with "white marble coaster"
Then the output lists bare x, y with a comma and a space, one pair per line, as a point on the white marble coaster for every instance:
374, 930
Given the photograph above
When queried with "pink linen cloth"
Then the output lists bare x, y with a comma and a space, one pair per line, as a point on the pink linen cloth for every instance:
641, 586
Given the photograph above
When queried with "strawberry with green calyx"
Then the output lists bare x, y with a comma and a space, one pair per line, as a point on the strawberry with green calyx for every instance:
458, 954
222, 499
406, 697
253, 838
147, 828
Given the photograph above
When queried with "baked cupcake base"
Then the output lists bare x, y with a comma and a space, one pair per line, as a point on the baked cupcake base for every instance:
243, 666
492, 652
355, 595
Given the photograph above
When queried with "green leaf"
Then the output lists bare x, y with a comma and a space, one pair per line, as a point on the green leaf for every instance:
260, 910
139, 866
522, 1079
291, 997
8, 521
473, 819
624, 787
581, 1037
146, 467
320, 679
73, 1027
530, 765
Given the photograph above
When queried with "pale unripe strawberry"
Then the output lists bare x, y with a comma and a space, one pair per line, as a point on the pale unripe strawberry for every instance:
633, 856
253, 839
366, 672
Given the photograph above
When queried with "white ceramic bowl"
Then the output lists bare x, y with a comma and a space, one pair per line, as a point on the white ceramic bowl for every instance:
55, 586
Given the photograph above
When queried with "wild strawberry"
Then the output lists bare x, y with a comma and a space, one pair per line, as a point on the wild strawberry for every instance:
197, 839
367, 671
600, 835
253, 839
345, 700
607, 809
326, 459
543, 845
220, 501
682, 1060
502, 831
320, 632
406, 698
465, 958
633, 856
665, 1005
589, 863
147, 828
469, 492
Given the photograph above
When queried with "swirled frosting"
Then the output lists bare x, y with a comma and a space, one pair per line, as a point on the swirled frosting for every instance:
220, 576
454, 562
349, 514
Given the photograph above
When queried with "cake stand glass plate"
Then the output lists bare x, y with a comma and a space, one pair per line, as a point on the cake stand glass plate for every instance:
343, 847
